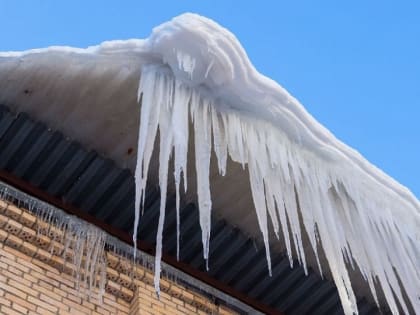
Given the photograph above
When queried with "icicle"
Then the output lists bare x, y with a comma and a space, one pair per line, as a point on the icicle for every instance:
287, 182
257, 189
202, 130
180, 134
150, 94
219, 137
166, 142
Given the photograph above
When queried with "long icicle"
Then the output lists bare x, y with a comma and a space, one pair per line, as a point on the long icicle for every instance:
165, 148
180, 134
287, 181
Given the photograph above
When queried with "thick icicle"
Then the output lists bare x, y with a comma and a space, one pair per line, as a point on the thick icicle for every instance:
202, 130
164, 156
153, 84
287, 181
180, 134
301, 177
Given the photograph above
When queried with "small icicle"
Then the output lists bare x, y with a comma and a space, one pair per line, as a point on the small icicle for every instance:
219, 139
257, 189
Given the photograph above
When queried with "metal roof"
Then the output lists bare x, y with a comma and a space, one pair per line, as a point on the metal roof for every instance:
64, 169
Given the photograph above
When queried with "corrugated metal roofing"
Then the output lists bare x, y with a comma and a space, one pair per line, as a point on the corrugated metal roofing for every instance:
62, 168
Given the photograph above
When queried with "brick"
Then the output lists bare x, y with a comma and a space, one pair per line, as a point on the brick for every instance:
28, 249
108, 308
66, 281
60, 292
30, 278
75, 306
48, 299
3, 235
13, 212
69, 290
42, 258
15, 271
13, 241
3, 220
42, 304
6, 274
77, 299
187, 295
3, 265
27, 219
120, 305
88, 305
20, 308
50, 294
44, 311
127, 292
102, 312
3, 205
43, 286
158, 309
183, 309
57, 261
53, 279
28, 263
5, 301
9, 311
17, 266
190, 307
123, 303
15, 253
177, 301
49, 279
170, 303
5, 253
19, 285
21, 302
13, 290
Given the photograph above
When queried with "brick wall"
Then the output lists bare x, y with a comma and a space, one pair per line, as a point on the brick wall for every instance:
35, 279
29, 286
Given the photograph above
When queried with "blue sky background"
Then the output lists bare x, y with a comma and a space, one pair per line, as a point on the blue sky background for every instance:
355, 65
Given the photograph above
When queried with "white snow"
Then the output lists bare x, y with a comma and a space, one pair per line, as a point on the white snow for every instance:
194, 70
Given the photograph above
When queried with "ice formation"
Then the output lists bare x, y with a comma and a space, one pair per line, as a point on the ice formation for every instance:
83, 248
295, 165
195, 72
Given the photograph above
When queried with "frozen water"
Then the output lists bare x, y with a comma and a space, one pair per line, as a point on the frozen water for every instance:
296, 167
195, 71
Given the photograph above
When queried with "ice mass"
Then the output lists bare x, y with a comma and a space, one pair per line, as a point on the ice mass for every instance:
195, 72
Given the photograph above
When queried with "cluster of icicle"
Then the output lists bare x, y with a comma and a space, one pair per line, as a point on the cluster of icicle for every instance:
340, 207
83, 243
84, 246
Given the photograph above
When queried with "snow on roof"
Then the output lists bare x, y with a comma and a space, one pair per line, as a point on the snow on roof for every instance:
192, 68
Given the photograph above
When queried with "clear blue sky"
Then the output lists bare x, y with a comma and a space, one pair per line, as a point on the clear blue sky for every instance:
355, 65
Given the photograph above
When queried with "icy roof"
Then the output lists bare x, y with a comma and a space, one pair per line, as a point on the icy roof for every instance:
191, 66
